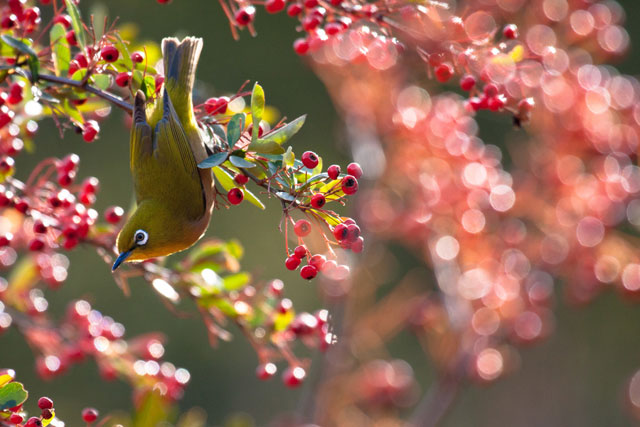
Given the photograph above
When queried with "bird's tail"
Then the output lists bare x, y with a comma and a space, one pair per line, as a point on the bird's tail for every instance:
180, 62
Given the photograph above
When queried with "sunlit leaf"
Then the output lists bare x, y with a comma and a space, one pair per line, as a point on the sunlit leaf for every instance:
284, 133
60, 51
12, 394
227, 182
23, 46
236, 281
76, 22
257, 109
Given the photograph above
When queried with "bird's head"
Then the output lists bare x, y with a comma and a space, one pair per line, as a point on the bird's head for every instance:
150, 232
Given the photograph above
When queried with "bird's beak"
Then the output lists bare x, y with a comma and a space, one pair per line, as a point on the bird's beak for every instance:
121, 258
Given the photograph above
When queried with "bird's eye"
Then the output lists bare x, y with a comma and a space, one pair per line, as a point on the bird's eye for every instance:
141, 237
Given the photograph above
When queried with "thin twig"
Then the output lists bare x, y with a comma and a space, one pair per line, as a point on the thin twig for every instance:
115, 100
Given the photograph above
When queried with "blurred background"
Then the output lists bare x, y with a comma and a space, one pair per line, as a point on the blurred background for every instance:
574, 378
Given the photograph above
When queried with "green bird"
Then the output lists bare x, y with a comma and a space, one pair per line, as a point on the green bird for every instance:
174, 197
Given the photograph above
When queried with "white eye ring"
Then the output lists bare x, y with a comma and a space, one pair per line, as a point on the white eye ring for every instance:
141, 237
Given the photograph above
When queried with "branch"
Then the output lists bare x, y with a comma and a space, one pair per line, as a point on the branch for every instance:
436, 402
115, 100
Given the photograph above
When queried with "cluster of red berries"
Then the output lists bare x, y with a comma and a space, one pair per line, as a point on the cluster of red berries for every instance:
15, 16
312, 329
320, 21
346, 233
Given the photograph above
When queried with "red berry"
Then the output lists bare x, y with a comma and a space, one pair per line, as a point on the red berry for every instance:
266, 370
302, 228
39, 228
36, 245
285, 305
444, 72
510, 31
65, 179
355, 170
318, 201
357, 245
16, 418
137, 57
333, 171
71, 38
300, 251
275, 287
310, 159
15, 93
349, 185
114, 214
308, 272
311, 22
90, 185
46, 414
6, 116
244, 16
123, 79
5, 239
274, 6
22, 206
301, 46
109, 53
333, 28
336, 2
235, 196
294, 10
241, 179
65, 20
490, 90
45, 403
496, 103
317, 261
340, 232
90, 131
89, 415
216, 105
310, 4
164, 1
7, 164
353, 232
292, 262
467, 82
33, 422
82, 60
159, 80
293, 376
73, 67
9, 21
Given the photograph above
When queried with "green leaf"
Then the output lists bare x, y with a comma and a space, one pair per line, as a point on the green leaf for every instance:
76, 22
152, 410
228, 183
72, 111
235, 128
101, 81
125, 57
284, 133
218, 130
239, 162
61, 53
214, 160
148, 86
12, 394
257, 109
236, 281
23, 46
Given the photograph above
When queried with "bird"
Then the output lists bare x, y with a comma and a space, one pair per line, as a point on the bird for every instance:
174, 198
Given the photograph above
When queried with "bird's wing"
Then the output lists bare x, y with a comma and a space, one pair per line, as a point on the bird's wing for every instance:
177, 163
140, 146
